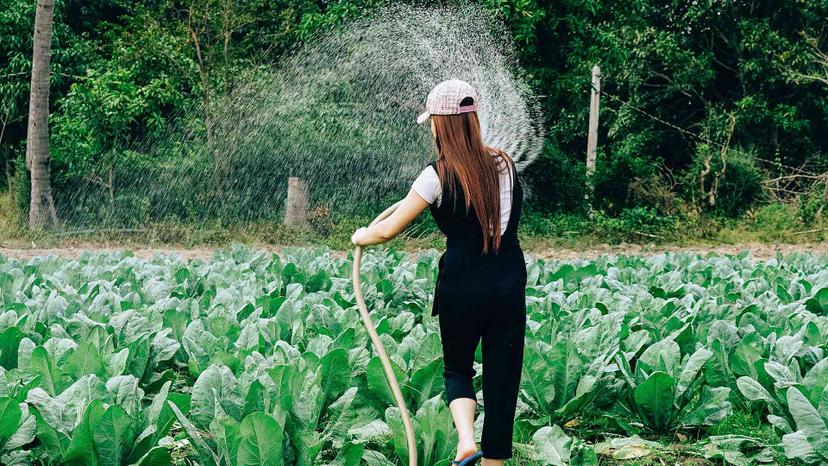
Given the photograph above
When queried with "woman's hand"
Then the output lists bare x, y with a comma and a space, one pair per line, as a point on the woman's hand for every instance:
358, 238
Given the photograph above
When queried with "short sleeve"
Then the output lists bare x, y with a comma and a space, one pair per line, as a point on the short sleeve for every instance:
427, 185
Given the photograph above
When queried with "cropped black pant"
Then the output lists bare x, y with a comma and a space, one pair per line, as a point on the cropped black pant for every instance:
493, 310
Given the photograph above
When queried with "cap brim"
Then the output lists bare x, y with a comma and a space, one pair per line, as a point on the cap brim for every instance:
423, 117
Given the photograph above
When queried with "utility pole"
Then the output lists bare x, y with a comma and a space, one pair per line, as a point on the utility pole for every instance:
592, 138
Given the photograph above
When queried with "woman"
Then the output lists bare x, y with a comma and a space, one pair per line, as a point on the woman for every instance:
480, 292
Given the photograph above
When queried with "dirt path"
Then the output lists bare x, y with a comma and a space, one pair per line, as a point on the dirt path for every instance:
758, 250
761, 251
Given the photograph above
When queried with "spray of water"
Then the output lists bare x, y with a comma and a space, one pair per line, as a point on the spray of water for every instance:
339, 113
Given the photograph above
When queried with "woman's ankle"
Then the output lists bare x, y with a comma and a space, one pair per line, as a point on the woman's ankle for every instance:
466, 447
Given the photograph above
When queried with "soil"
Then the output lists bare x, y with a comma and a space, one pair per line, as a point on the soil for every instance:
759, 251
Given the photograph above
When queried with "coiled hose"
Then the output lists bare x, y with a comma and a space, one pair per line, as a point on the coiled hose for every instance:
372, 331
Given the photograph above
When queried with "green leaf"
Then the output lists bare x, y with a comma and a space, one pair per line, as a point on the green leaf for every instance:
83, 361
818, 304
207, 456
139, 356
9, 344
663, 356
216, 385
63, 412
225, 432
260, 441
394, 421
815, 381
427, 381
710, 407
25, 431
55, 442
378, 383
552, 446
40, 364
743, 359
808, 422
754, 391
691, 369
81, 450
10, 414
536, 379
320, 281
654, 400
113, 435
157, 456
350, 455
435, 437
375, 458
430, 349
177, 322
334, 374
797, 447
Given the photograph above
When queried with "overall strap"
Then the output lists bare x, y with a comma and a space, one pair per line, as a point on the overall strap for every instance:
517, 202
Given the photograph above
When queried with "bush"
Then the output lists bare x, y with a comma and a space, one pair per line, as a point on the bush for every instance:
813, 205
739, 190
616, 171
555, 182
534, 222
776, 221
637, 224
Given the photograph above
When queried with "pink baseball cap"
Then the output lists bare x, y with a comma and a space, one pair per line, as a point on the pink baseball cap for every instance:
446, 97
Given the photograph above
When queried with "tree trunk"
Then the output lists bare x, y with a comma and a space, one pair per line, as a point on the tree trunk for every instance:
205, 88
42, 210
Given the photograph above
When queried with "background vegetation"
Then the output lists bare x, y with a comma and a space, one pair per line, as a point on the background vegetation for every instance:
714, 112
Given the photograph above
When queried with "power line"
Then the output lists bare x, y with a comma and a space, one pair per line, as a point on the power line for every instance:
11, 75
651, 116
691, 133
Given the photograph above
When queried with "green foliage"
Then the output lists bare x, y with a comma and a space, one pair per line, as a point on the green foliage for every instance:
126, 71
633, 225
146, 76
258, 358
776, 218
813, 206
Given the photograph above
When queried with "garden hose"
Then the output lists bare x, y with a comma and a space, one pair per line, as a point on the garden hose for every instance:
386, 363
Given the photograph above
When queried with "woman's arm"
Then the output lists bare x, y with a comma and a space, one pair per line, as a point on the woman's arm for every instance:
388, 229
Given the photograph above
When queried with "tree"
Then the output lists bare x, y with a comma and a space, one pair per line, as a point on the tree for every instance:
42, 211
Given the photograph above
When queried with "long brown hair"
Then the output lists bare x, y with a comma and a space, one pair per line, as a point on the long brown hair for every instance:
462, 154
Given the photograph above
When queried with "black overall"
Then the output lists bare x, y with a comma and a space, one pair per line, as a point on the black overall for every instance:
478, 297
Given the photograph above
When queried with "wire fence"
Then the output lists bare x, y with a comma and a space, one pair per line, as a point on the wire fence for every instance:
798, 171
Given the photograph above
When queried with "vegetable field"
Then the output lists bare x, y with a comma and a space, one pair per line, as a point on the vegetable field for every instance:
256, 358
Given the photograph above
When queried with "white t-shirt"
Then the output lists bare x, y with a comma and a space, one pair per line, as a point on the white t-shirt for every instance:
428, 186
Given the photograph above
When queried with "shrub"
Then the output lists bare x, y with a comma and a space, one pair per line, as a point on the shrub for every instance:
634, 224
735, 192
813, 205
555, 182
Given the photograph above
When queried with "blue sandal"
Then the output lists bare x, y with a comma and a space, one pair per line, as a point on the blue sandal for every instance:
469, 459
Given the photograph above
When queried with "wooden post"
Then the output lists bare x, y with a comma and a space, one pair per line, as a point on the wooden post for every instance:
824, 195
592, 137
296, 210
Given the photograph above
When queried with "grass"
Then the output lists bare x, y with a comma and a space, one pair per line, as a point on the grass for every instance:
774, 223
10, 221
680, 447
